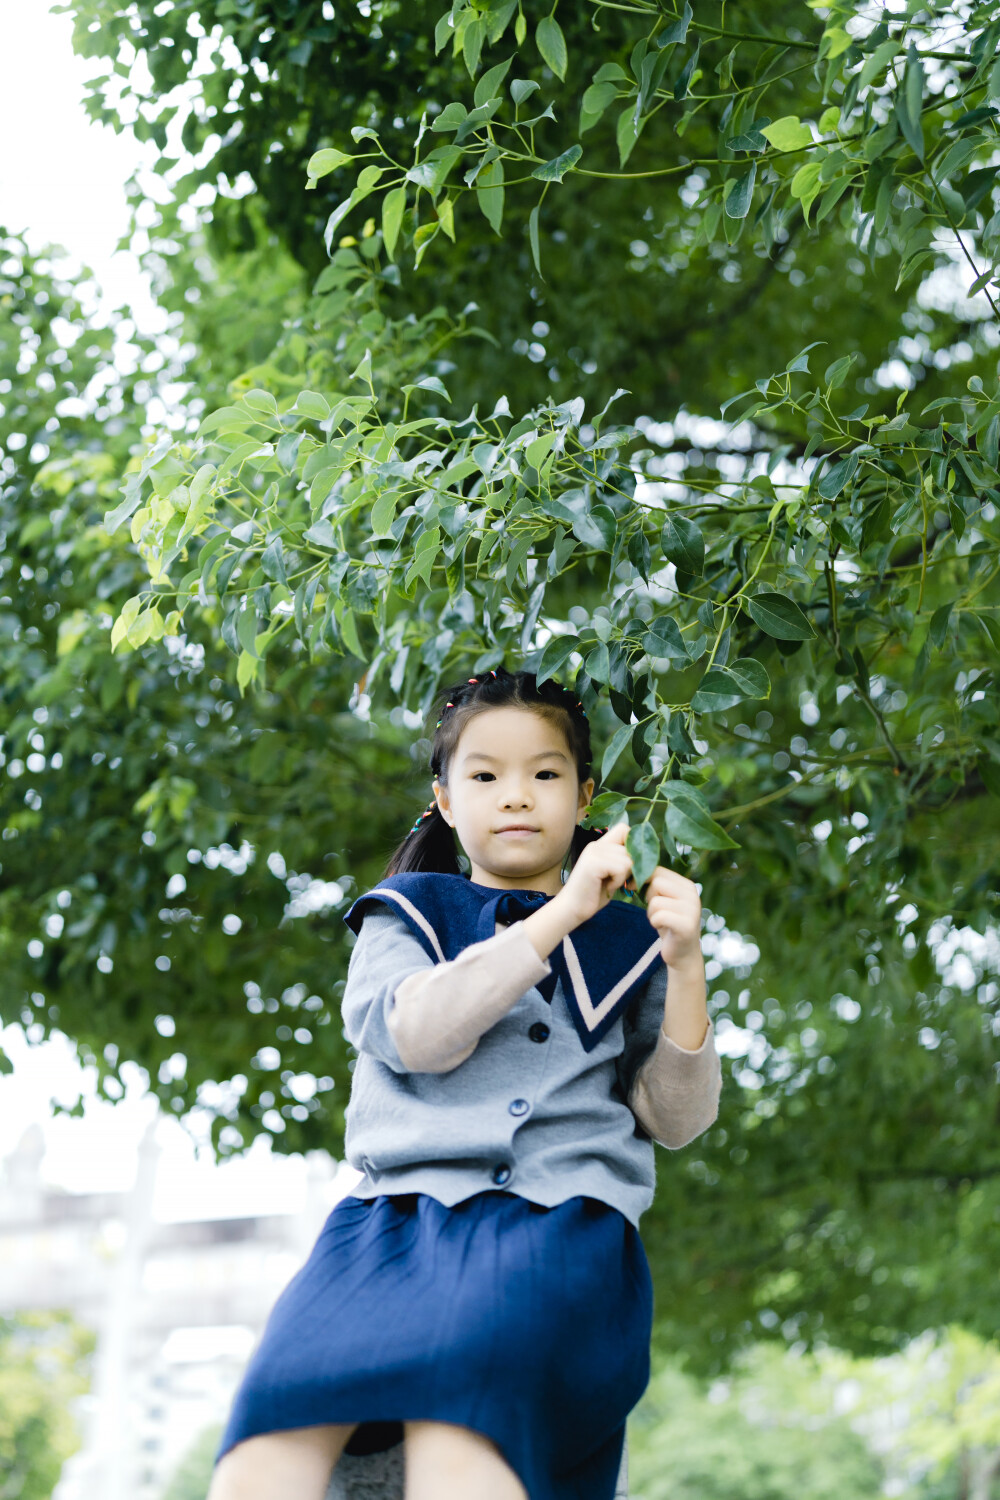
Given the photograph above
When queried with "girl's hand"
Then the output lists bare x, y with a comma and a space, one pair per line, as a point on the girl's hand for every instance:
673, 905
601, 869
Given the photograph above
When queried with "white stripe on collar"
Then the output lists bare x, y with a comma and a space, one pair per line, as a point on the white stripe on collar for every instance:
593, 1014
415, 913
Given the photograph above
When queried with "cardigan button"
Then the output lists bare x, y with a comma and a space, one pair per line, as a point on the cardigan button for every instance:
519, 1106
539, 1032
501, 1172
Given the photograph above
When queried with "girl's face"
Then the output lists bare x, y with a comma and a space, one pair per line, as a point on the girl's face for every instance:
512, 766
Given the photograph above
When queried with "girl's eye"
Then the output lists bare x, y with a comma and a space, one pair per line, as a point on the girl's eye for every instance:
490, 773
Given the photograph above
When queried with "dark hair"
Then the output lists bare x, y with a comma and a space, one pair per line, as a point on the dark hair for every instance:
430, 843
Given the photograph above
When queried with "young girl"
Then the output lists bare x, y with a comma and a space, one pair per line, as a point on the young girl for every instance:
483, 1294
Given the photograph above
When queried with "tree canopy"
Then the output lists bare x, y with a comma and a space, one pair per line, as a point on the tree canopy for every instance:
675, 392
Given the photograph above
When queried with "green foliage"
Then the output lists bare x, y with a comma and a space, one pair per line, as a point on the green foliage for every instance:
355, 508
126, 797
772, 1436
44, 1364
872, 100
948, 1384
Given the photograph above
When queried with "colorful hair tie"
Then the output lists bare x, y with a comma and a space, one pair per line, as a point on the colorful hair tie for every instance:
430, 808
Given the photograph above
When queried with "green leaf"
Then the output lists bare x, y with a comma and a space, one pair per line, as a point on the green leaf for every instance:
595, 101
322, 534
537, 450
877, 62
725, 687
384, 513
836, 373
779, 616
246, 628
619, 740
664, 639
260, 400
124, 622
533, 239
472, 44
368, 178
322, 162
837, 477
489, 193
133, 496
450, 117
689, 821
272, 560
392, 217
686, 74
750, 138
597, 663
422, 238
428, 383
677, 30
555, 170
716, 691
349, 630
834, 41
626, 133
363, 369
752, 676
740, 195
446, 217
909, 103
424, 556
552, 44
938, 628
988, 442
432, 172
683, 544
489, 85
801, 360
643, 847
227, 419
554, 653
806, 185
247, 667
443, 31
523, 88
498, 14
788, 134
311, 404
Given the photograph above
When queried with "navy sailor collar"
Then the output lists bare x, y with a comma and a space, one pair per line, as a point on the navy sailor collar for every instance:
602, 963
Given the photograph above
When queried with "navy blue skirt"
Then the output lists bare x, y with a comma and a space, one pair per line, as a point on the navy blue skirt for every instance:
530, 1325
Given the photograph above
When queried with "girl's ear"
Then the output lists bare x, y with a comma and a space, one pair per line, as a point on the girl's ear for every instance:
441, 793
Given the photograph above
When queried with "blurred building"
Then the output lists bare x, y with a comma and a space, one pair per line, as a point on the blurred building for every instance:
176, 1307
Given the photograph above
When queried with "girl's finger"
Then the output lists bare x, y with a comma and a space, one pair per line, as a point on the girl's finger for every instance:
671, 880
